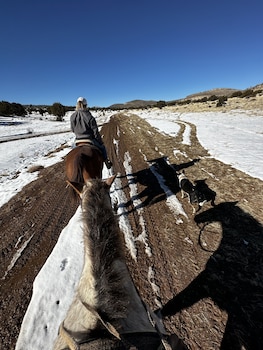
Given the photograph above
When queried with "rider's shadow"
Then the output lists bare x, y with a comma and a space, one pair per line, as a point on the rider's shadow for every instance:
233, 277
182, 166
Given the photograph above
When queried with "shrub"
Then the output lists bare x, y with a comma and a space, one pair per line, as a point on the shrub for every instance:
200, 100
237, 94
247, 93
58, 110
213, 98
34, 168
161, 104
221, 101
7, 109
18, 109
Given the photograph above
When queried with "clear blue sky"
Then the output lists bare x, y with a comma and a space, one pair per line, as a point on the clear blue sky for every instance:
115, 51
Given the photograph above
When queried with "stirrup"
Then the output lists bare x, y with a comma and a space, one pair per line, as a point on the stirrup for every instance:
108, 163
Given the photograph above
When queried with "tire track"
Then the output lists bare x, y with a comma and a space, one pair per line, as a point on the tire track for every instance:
44, 207
40, 212
177, 258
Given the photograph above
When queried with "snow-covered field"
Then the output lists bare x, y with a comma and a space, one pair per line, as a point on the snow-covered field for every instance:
17, 156
235, 138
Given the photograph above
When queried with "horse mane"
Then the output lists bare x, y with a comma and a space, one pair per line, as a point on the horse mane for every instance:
103, 237
107, 311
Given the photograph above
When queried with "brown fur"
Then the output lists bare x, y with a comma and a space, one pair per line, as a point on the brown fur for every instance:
83, 163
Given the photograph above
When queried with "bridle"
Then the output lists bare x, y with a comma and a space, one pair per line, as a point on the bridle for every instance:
120, 338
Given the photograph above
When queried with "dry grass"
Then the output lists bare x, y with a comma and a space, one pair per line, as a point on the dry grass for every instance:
252, 104
34, 168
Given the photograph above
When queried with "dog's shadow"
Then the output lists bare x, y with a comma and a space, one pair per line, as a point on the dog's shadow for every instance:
233, 277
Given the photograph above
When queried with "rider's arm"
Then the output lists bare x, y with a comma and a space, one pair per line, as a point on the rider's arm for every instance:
94, 127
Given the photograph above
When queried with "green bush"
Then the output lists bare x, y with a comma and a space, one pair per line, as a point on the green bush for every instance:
161, 104
8, 109
247, 93
203, 99
237, 94
213, 98
221, 101
58, 110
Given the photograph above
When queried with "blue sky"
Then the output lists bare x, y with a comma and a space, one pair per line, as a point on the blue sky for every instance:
115, 51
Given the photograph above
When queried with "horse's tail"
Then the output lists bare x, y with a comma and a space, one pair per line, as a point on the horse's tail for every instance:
79, 162
76, 180
105, 245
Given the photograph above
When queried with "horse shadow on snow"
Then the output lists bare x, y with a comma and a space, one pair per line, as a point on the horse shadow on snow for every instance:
152, 191
159, 173
233, 277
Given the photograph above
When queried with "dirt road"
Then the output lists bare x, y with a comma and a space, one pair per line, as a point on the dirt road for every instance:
207, 266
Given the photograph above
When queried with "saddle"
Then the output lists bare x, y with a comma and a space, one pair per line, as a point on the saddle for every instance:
87, 142
84, 142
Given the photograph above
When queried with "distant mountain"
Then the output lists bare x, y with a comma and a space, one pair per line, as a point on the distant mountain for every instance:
133, 104
217, 92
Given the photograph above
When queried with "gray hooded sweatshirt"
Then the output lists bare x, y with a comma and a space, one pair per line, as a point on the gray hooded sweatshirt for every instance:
84, 126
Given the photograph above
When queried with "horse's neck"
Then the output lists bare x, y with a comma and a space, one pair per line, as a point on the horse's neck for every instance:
87, 283
137, 319
109, 254
105, 285
79, 318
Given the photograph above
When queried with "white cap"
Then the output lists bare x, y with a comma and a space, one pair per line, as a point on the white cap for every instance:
83, 100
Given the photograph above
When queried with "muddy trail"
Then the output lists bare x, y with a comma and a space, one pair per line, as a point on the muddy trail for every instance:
205, 268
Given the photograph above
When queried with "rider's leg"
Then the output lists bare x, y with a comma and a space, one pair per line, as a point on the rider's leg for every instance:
104, 153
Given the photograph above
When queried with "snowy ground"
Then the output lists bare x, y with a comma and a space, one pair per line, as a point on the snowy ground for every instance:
16, 157
235, 138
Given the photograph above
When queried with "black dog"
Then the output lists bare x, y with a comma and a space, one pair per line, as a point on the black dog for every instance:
194, 195
209, 194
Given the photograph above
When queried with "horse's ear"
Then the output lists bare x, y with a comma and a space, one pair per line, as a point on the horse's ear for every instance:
110, 180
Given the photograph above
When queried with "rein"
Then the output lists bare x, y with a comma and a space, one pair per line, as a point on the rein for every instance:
74, 345
74, 188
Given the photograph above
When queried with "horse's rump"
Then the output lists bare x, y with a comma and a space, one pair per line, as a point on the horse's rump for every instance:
83, 163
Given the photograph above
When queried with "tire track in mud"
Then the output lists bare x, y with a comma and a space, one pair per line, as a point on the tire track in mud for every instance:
177, 258
38, 215
44, 207
149, 273
40, 221
139, 271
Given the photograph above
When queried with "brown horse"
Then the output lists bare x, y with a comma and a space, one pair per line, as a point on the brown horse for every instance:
83, 163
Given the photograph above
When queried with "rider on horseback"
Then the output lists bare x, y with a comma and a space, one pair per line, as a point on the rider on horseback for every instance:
85, 128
